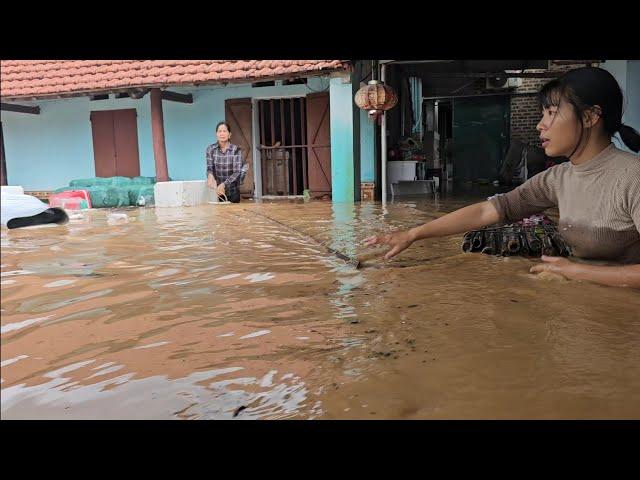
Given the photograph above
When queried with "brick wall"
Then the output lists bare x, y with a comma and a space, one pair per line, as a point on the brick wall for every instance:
525, 110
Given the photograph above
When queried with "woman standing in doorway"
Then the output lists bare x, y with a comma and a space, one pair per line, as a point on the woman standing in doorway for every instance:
226, 165
597, 192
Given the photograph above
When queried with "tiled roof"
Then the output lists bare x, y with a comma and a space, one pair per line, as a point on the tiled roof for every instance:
41, 78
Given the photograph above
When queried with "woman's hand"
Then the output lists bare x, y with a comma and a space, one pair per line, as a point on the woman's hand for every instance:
613, 275
398, 241
559, 265
468, 218
211, 183
220, 190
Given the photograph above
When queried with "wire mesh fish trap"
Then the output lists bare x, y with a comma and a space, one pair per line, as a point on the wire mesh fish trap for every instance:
531, 237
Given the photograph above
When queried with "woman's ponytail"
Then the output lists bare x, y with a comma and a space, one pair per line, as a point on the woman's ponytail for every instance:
630, 137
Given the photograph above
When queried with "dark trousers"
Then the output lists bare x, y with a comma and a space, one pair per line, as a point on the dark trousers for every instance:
232, 197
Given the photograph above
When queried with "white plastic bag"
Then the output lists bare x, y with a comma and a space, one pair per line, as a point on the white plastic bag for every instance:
16, 205
117, 218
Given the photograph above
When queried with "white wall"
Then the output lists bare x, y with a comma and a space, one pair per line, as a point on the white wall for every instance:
627, 73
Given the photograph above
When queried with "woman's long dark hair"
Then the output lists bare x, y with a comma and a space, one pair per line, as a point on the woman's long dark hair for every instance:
584, 88
225, 124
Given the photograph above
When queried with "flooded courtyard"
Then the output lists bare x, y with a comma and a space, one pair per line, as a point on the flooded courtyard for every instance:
217, 312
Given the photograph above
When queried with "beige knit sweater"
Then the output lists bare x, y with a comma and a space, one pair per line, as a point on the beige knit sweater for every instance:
598, 201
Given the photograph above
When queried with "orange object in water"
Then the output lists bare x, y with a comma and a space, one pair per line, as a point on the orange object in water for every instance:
70, 200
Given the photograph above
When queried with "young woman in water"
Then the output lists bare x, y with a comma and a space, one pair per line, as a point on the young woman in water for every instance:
597, 192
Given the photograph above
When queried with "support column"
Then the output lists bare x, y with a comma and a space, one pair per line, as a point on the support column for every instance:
157, 130
367, 148
343, 164
383, 145
3, 167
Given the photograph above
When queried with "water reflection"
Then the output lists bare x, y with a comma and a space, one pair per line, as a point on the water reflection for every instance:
195, 396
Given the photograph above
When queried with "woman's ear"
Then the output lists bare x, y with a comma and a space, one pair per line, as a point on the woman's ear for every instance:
592, 116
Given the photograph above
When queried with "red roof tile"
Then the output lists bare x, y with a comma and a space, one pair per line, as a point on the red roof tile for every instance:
42, 78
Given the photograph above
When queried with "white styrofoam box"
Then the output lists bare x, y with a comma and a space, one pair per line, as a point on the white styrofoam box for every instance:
194, 192
16, 189
167, 194
180, 193
398, 170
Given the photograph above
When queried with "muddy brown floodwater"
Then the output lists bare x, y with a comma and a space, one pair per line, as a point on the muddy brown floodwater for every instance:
213, 312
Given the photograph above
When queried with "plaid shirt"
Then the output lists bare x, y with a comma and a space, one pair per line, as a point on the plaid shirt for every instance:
227, 167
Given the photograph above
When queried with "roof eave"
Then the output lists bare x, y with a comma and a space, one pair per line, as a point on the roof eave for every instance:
82, 93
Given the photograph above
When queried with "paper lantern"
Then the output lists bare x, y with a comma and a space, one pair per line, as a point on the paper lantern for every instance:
376, 97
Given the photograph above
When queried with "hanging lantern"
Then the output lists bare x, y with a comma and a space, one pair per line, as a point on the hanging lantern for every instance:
376, 97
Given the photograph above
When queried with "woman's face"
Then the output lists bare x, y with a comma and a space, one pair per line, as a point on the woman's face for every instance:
223, 134
559, 130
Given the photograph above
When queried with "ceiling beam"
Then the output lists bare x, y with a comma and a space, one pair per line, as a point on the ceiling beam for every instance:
575, 62
502, 74
177, 97
12, 107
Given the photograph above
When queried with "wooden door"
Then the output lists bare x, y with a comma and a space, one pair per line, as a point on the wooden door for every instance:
115, 143
238, 114
318, 144
125, 126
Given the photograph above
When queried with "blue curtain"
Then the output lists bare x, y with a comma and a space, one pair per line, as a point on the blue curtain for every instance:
415, 85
